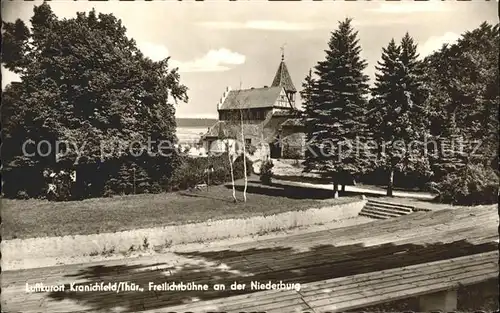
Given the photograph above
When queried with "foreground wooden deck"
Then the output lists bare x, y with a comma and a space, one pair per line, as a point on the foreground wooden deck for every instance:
353, 292
329, 264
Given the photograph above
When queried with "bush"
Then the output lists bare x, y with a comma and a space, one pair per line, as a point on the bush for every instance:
251, 149
266, 172
473, 185
292, 152
23, 195
238, 167
130, 176
188, 174
117, 177
192, 171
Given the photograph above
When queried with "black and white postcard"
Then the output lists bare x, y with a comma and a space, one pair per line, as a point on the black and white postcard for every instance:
250, 156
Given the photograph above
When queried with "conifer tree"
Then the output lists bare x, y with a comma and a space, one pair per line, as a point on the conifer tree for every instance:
398, 116
338, 104
309, 117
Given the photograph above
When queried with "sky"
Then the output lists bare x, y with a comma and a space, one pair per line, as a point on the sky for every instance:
216, 44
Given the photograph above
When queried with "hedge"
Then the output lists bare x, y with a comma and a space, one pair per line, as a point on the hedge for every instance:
123, 176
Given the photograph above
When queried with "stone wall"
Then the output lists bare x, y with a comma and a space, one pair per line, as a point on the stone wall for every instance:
19, 250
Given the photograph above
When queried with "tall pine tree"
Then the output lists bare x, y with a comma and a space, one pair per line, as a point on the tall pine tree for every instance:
398, 115
338, 107
386, 84
309, 118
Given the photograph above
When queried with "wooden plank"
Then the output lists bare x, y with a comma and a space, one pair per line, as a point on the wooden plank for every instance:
290, 306
257, 295
488, 256
267, 297
427, 230
163, 300
193, 277
291, 309
389, 236
277, 304
257, 302
258, 305
401, 291
377, 276
354, 290
455, 225
454, 260
403, 224
382, 277
402, 294
236, 300
209, 277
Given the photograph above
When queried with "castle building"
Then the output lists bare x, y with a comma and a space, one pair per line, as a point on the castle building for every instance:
268, 117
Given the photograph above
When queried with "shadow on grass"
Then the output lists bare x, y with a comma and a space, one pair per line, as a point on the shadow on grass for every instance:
276, 189
266, 264
204, 195
282, 190
321, 180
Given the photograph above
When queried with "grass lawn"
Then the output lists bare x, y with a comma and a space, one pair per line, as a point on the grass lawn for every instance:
292, 171
37, 218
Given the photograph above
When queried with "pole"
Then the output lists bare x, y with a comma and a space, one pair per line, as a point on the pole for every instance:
134, 180
208, 180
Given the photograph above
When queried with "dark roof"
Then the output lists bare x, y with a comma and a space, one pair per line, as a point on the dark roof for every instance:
293, 122
217, 130
282, 78
251, 98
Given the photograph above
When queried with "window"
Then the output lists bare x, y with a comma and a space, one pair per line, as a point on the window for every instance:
248, 142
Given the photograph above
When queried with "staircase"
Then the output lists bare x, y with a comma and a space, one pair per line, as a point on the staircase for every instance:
385, 210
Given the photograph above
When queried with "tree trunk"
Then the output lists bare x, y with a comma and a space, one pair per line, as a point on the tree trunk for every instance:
232, 173
390, 183
262, 145
343, 187
244, 159
335, 190
208, 179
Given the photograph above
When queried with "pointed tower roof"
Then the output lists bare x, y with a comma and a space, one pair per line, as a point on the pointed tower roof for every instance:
282, 77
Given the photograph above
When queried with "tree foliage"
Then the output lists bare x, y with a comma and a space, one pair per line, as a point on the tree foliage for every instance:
398, 116
464, 82
266, 172
86, 83
337, 106
472, 184
309, 117
435, 116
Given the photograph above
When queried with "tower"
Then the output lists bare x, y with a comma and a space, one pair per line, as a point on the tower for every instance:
283, 79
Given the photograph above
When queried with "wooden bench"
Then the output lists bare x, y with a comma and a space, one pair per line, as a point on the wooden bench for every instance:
435, 283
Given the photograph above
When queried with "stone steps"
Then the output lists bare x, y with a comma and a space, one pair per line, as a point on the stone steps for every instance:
389, 209
384, 210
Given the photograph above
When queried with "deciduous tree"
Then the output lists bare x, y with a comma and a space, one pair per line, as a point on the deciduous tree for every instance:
464, 83
85, 81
